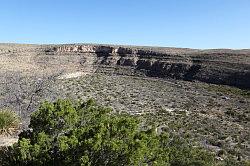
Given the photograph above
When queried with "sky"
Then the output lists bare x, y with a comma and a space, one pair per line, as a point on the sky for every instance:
170, 23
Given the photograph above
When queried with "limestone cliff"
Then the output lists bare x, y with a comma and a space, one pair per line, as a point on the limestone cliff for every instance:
224, 66
221, 66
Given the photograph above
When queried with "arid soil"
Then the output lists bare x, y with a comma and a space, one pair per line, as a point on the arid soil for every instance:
202, 94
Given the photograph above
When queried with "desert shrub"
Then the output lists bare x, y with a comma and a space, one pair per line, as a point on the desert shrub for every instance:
66, 133
182, 153
9, 121
240, 117
229, 90
231, 161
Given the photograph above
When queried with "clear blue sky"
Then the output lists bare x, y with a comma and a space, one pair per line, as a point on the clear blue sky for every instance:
178, 23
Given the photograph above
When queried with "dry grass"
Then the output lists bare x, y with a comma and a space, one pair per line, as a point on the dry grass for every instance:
9, 122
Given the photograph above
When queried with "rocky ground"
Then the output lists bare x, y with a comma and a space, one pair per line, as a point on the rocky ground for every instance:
214, 116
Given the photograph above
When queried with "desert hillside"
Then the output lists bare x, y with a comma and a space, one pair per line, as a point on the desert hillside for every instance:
225, 66
202, 93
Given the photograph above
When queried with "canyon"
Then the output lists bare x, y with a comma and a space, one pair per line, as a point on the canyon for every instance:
217, 66
229, 67
200, 92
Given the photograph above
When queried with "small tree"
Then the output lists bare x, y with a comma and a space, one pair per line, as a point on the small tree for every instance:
64, 133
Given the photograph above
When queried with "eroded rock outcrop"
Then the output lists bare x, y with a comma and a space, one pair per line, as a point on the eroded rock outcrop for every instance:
84, 49
230, 67
220, 66
122, 51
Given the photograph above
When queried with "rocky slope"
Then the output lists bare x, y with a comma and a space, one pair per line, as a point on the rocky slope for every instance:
225, 66
229, 67
146, 81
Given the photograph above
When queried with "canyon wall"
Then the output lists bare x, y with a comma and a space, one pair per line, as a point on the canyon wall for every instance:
221, 66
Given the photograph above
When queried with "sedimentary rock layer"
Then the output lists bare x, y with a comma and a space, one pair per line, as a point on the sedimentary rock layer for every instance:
221, 66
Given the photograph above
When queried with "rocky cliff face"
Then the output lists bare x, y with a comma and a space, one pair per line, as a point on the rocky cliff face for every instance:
230, 67
223, 66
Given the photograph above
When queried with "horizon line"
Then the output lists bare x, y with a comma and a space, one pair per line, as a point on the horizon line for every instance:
130, 45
